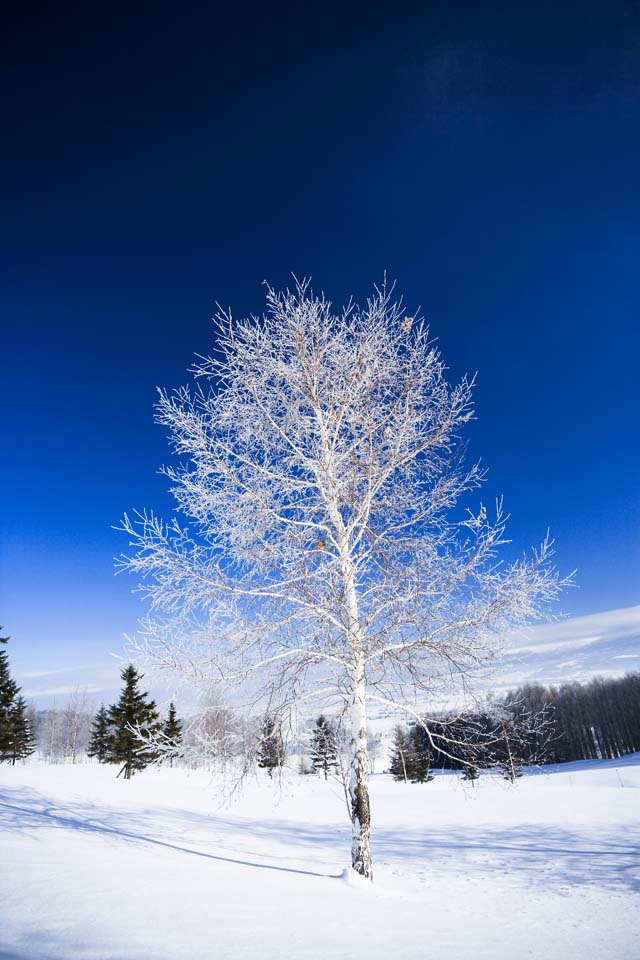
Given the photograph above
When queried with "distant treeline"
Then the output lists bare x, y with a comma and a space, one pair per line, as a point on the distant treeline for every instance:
532, 724
591, 721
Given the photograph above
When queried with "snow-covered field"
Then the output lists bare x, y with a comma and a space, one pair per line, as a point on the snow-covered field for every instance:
155, 868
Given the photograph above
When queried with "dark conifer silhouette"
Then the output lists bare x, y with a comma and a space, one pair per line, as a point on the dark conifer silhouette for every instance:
101, 736
16, 742
471, 772
324, 751
401, 766
172, 735
271, 749
421, 757
133, 719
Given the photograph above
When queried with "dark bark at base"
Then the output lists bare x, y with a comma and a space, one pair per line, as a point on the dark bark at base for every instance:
361, 826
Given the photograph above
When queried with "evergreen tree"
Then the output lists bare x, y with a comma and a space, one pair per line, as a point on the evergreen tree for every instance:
172, 733
271, 750
131, 713
16, 741
8, 692
22, 745
324, 751
471, 772
421, 759
401, 766
100, 742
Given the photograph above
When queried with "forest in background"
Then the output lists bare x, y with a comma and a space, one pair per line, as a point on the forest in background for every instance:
573, 721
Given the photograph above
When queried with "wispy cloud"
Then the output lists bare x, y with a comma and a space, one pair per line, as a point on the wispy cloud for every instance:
41, 674
61, 691
598, 644
555, 645
94, 678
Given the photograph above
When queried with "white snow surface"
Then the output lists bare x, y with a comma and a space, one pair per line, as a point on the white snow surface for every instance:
158, 867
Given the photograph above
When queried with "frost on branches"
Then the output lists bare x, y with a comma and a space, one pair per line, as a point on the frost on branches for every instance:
321, 554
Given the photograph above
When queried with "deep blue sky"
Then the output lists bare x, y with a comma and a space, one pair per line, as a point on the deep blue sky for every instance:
155, 161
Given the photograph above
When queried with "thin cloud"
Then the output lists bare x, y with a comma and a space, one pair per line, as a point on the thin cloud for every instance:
61, 691
599, 644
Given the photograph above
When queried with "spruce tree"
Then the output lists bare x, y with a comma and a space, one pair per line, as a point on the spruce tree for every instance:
271, 750
401, 766
133, 712
8, 692
172, 733
100, 742
324, 751
471, 772
16, 742
421, 760
22, 738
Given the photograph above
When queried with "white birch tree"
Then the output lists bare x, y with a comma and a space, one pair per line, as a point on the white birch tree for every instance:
324, 552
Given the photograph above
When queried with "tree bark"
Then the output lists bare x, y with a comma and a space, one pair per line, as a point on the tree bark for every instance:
358, 788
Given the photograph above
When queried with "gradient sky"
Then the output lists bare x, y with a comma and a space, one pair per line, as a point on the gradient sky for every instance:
485, 156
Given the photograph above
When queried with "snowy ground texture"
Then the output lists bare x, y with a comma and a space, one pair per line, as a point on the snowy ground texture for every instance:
94, 867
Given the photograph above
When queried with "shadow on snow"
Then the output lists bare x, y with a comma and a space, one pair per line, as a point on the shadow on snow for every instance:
545, 854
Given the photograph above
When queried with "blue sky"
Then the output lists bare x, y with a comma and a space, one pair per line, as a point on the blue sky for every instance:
485, 157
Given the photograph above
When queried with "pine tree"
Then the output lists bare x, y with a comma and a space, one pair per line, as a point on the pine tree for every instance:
401, 766
100, 742
471, 772
324, 751
16, 742
22, 739
271, 750
421, 760
8, 692
172, 734
131, 713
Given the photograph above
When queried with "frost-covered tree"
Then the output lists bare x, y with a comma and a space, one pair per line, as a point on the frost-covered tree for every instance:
134, 721
76, 719
325, 548
100, 740
324, 749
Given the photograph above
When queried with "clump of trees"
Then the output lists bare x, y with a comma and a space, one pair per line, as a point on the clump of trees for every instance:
590, 721
131, 733
63, 732
133, 721
16, 739
531, 725
411, 758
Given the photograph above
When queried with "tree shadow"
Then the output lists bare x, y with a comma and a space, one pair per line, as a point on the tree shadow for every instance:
46, 945
542, 854
25, 810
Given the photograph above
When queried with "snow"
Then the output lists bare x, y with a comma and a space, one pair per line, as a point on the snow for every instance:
158, 867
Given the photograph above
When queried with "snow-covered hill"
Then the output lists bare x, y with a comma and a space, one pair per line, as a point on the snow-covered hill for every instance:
93, 867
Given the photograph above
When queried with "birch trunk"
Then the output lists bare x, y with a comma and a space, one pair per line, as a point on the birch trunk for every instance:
358, 788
